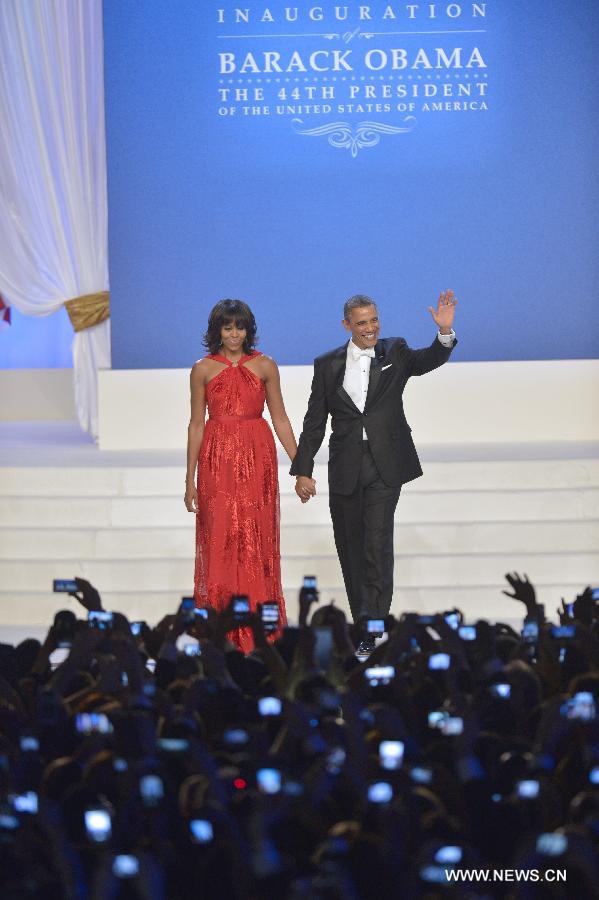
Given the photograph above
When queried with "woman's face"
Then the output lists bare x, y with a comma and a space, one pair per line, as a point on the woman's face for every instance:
232, 336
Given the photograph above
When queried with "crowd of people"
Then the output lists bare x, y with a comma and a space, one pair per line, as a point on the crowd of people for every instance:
162, 762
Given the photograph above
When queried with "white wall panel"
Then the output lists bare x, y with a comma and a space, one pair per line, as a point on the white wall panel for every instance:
460, 403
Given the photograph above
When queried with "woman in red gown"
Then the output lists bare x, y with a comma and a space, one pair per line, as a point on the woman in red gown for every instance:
236, 493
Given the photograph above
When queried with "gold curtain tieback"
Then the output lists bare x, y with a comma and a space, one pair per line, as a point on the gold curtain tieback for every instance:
88, 310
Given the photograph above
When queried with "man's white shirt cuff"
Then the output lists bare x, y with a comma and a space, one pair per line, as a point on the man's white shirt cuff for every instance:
447, 339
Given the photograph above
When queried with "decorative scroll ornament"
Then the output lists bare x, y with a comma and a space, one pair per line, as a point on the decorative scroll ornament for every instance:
344, 135
348, 36
88, 310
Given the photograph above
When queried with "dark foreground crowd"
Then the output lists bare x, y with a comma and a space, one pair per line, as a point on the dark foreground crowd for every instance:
162, 763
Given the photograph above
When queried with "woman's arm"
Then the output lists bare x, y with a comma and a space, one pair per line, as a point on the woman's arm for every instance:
276, 407
195, 433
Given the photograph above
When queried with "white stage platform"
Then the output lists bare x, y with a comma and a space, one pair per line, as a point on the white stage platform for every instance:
117, 518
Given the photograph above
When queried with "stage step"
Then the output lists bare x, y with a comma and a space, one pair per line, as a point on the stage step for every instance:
123, 526
416, 506
315, 540
177, 575
141, 480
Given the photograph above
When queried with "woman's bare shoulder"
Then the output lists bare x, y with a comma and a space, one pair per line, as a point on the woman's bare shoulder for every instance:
267, 362
201, 369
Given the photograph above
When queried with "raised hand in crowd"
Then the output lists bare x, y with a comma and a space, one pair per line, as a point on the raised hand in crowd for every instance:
523, 591
307, 598
87, 595
584, 607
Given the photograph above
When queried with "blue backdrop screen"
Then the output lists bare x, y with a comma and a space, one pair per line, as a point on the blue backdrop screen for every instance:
295, 154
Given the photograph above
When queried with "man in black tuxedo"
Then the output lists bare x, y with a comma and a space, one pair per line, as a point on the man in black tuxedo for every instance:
371, 452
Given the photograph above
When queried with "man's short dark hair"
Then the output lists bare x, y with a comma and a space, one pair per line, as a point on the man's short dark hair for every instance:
356, 302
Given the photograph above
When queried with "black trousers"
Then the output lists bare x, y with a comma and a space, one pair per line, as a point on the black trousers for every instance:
363, 529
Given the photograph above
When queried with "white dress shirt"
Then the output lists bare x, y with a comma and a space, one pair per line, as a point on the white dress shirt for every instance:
357, 371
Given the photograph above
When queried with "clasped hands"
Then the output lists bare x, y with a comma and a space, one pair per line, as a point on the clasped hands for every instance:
305, 488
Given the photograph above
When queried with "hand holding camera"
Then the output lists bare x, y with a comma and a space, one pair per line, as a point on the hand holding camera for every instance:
307, 596
84, 592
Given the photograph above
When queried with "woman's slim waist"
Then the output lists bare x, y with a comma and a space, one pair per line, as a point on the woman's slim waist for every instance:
229, 419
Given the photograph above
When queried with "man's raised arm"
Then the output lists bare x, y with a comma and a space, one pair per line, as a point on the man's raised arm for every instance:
429, 358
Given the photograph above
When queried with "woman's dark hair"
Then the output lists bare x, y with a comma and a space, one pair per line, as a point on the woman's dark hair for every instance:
223, 313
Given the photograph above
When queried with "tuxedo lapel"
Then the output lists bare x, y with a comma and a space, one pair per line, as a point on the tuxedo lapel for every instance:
337, 372
375, 372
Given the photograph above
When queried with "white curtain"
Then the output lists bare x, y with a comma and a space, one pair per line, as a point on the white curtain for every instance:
53, 217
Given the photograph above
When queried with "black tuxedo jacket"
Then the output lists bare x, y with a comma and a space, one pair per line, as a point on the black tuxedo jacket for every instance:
383, 419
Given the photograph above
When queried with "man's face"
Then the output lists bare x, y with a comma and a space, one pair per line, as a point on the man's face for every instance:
364, 326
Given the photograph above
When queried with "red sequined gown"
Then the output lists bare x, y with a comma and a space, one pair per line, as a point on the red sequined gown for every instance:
237, 528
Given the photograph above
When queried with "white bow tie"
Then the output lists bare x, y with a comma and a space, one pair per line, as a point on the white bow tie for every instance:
357, 353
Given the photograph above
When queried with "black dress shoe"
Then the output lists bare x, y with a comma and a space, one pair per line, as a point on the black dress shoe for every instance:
366, 646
